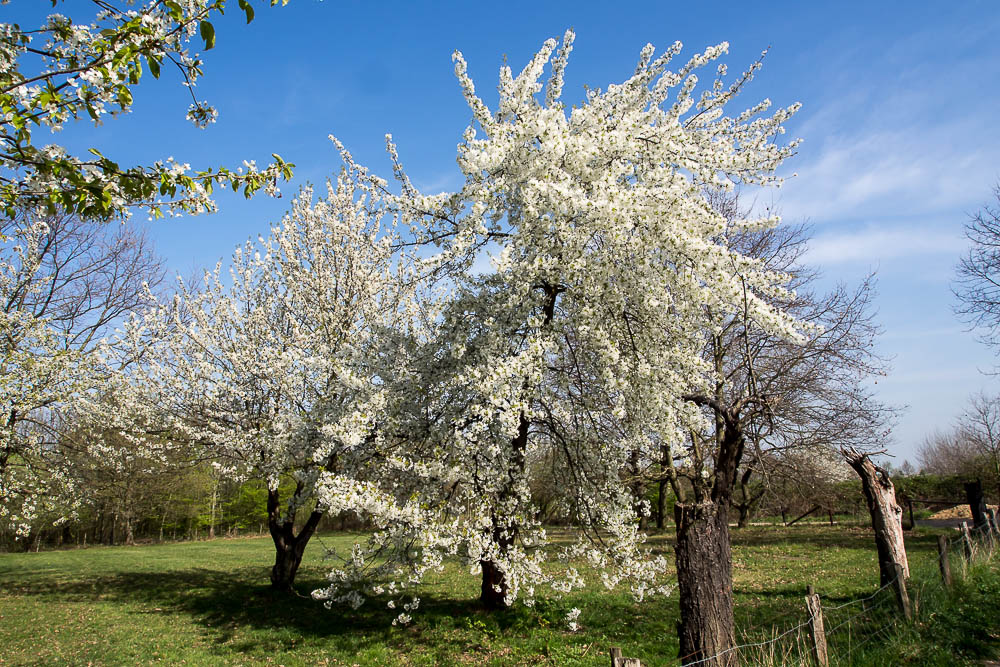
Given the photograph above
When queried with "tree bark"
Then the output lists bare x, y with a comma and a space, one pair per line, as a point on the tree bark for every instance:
886, 514
703, 552
661, 505
494, 588
744, 518
288, 547
749, 500
704, 575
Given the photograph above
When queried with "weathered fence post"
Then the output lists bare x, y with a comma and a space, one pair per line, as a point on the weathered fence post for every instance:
943, 563
816, 629
966, 540
902, 596
988, 530
618, 661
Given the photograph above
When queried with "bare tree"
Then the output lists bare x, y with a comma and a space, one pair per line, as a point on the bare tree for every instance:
947, 453
82, 276
979, 426
972, 448
978, 273
64, 282
772, 397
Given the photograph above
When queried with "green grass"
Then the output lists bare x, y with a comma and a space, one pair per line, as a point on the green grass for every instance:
208, 603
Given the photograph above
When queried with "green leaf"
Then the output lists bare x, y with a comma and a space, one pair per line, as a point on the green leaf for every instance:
248, 8
175, 9
207, 31
154, 67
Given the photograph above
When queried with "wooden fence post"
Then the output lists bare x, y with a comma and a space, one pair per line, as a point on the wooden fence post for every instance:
816, 629
966, 540
943, 564
618, 661
988, 530
902, 596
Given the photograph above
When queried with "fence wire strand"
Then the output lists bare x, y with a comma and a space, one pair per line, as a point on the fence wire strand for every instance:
982, 540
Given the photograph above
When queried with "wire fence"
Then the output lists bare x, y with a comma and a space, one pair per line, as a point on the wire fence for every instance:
855, 626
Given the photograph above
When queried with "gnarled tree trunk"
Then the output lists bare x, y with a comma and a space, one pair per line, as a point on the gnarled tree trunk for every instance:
703, 552
705, 583
288, 546
493, 591
886, 514
744, 515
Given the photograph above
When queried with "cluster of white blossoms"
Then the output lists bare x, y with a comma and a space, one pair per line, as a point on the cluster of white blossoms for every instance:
273, 370
581, 345
391, 382
38, 370
571, 618
65, 71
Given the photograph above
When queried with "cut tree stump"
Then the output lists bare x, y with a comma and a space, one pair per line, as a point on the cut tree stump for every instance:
886, 514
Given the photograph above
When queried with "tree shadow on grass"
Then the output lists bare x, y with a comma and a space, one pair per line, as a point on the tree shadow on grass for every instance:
238, 614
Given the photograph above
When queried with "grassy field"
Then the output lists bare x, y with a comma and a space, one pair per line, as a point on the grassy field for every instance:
207, 603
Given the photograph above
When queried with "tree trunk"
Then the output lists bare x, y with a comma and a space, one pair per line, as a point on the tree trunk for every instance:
744, 519
974, 495
288, 547
885, 512
638, 491
215, 501
493, 591
494, 588
704, 576
704, 557
661, 506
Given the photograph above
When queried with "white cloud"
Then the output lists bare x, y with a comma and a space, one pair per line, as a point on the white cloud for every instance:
879, 174
903, 136
873, 245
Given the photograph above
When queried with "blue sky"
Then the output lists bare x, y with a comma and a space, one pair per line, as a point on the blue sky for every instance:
900, 108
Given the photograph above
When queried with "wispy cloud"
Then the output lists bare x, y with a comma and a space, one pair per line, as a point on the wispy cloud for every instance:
879, 174
874, 245
910, 136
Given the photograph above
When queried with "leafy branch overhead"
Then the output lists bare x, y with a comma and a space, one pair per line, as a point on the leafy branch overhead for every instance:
66, 71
